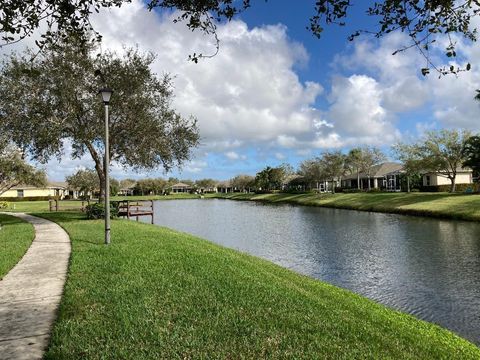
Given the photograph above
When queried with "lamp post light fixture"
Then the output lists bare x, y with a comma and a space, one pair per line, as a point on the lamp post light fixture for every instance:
106, 94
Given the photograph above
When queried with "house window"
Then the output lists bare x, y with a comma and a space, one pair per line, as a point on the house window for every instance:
19, 193
427, 180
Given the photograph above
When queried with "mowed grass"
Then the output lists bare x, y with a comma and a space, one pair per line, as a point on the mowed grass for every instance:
158, 294
16, 236
444, 205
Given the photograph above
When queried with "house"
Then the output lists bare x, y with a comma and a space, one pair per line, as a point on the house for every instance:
385, 176
225, 186
464, 176
126, 191
207, 189
52, 189
181, 188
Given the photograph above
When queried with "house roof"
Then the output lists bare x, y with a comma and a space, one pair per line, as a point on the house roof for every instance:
181, 185
224, 184
50, 185
379, 170
295, 178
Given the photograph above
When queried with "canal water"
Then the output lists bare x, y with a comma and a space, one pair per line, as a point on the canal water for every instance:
426, 267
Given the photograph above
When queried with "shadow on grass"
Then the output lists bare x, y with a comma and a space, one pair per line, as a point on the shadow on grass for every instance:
10, 220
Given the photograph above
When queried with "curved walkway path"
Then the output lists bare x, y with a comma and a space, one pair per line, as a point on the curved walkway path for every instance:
30, 293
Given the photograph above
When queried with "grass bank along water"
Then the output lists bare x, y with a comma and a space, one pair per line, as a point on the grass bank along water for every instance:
16, 236
157, 293
441, 205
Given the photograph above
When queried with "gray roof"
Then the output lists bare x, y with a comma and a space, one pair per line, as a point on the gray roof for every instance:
181, 185
379, 170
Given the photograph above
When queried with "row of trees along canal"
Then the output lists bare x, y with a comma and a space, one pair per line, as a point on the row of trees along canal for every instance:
444, 152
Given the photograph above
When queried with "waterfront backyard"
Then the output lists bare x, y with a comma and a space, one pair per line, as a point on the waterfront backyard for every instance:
159, 293
156, 292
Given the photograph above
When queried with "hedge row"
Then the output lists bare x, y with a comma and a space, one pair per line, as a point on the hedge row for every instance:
29, 198
446, 188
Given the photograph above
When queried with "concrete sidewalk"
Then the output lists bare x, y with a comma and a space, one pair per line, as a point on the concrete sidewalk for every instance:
30, 293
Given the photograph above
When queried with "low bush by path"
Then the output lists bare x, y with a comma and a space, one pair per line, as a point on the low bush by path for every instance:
16, 236
443, 205
156, 293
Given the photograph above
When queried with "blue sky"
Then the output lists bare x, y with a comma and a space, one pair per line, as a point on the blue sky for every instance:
277, 94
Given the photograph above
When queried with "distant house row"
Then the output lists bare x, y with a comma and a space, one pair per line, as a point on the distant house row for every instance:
385, 176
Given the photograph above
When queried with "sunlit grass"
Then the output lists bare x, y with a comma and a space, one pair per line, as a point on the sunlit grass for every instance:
156, 293
16, 236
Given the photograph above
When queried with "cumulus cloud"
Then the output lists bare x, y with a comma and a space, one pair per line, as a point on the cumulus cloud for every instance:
247, 94
232, 155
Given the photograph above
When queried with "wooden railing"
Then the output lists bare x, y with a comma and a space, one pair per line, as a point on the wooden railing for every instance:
129, 209
65, 205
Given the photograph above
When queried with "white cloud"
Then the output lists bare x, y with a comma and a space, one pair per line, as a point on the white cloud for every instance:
247, 94
280, 156
357, 112
232, 155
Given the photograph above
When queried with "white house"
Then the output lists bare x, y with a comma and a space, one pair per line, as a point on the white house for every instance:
52, 189
464, 176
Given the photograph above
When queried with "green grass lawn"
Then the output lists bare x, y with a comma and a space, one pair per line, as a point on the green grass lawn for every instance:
454, 206
16, 236
156, 293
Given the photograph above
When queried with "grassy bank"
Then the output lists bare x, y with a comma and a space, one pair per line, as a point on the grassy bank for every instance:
444, 205
16, 236
156, 293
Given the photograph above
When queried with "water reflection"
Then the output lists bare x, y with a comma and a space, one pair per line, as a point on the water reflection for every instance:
426, 267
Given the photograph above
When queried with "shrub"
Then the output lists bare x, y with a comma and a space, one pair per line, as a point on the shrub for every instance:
459, 188
4, 205
97, 211
352, 190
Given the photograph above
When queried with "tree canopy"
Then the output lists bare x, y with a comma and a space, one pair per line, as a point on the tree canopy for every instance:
85, 181
440, 151
333, 165
420, 20
14, 170
271, 178
63, 104
471, 153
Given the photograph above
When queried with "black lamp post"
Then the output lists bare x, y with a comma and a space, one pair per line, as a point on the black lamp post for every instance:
106, 94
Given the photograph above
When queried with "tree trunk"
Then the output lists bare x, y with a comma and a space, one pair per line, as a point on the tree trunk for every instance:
408, 184
333, 186
452, 186
368, 179
99, 162
358, 179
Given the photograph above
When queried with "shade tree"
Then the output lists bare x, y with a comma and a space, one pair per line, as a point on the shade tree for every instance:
61, 86
15, 170
471, 154
85, 181
333, 166
439, 151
